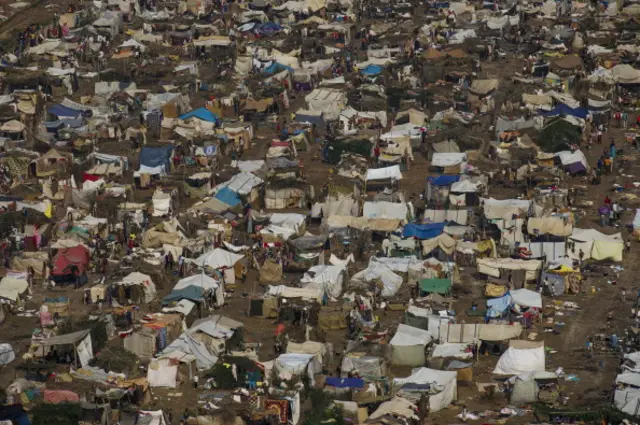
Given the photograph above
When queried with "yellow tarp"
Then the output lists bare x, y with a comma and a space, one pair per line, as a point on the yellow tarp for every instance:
495, 290
607, 250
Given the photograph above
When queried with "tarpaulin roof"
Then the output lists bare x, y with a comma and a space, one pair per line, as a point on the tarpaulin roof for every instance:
345, 382
437, 286
423, 231
563, 109
65, 339
155, 156
228, 196
275, 68
191, 292
371, 70
443, 180
201, 113
76, 256
63, 111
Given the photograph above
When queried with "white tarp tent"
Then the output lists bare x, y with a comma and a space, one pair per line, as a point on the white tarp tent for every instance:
391, 282
526, 298
12, 288
384, 209
294, 364
143, 280
407, 346
448, 159
329, 279
386, 173
445, 382
218, 259
521, 357
7, 354
329, 101
493, 266
289, 292
596, 245
162, 373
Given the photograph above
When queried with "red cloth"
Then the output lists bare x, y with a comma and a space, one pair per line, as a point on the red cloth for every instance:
60, 396
279, 329
90, 177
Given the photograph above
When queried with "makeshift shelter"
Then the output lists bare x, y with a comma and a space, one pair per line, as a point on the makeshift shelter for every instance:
80, 343
328, 278
408, 346
138, 287
12, 290
229, 263
53, 163
435, 286
521, 357
155, 160
596, 245
440, 386
69, 265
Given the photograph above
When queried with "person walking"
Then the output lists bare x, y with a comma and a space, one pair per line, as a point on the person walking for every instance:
625, 119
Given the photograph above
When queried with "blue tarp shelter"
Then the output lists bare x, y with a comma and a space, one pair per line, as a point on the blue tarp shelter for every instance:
276, 67
153, 157
443, 180
201, 113
268, 28
563, 109
423, 231
191, 292
497, 306
62, 111
345, 382
371, 70
228, 196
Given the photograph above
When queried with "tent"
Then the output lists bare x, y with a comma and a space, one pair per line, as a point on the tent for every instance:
202, 114
70, 261
155, 160
423, 231
596, 245
218, 259
11, 289
328, 278
408, 345
80, 340
384, 209
388, 173
521, 357
144, 282
195, 288
391, 282
289, 365
7, 354
443, 384
436, 286
566, 110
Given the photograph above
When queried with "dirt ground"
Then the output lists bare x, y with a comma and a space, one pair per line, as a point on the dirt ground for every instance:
566, 342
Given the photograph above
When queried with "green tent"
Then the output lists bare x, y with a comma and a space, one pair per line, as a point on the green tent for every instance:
436, 286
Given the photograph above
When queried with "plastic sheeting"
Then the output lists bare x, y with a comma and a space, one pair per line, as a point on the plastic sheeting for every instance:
521, 357
329, 279
407, 346
218, 259
383, 209
391, 282
444, 381
387, 173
